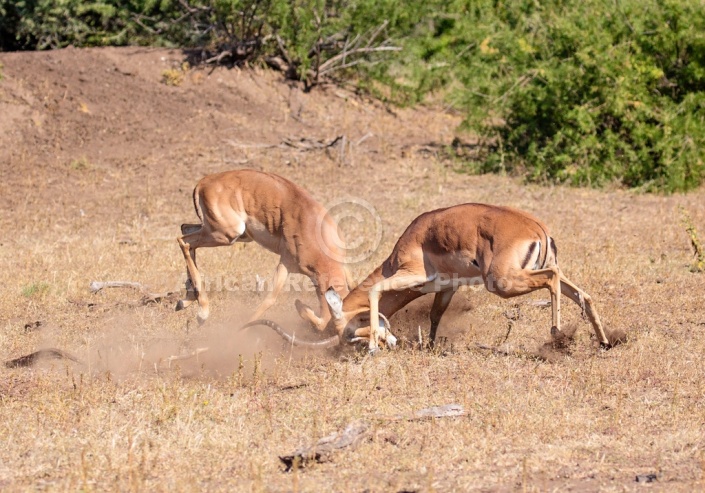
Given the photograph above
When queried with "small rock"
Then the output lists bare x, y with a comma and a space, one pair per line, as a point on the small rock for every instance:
646, 478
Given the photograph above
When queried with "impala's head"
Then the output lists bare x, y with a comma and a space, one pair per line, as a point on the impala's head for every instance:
354, 326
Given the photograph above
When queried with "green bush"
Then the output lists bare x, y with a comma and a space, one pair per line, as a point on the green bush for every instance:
584, 92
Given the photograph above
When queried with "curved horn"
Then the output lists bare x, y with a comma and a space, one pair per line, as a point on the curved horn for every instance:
325, 343
386, 322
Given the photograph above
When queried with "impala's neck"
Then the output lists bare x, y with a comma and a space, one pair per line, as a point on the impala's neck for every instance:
390, 302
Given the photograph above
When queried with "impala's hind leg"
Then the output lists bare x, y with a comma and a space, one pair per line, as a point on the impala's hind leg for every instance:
189, 242
190, 294
508, 284
194, 292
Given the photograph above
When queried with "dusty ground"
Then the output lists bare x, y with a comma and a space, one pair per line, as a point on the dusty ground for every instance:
98, 158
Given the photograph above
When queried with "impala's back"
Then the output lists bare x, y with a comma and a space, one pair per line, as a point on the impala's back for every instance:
467, 239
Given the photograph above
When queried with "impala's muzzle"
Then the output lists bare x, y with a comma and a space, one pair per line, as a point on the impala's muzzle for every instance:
359, 332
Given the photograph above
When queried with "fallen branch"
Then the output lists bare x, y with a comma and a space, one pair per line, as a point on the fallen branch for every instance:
306, 144
539, 303
97, 286
322, 450
301, 143
147, 297
43, 354
446, 411
182, 357
355, 432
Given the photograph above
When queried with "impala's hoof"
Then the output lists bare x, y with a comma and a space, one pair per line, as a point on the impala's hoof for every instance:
606, 346
180, 305
301, 308
374, 351
202, 316
555, 332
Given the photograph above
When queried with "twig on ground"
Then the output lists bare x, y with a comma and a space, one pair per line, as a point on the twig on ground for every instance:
355, 48
96, 286
306, 144
321, 451
147, 297
33, 358
182, 357
355, 432
446, 411
301, 144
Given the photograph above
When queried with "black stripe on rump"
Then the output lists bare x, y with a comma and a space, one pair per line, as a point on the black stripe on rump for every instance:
530, 254
554, 248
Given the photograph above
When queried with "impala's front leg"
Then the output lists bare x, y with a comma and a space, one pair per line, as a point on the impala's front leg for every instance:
440, 304
398, 282
280, 275
374, 319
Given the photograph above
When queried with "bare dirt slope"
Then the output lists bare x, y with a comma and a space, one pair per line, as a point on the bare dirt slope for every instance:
98, 158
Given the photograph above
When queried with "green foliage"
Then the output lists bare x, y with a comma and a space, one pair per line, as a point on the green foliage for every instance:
585, 92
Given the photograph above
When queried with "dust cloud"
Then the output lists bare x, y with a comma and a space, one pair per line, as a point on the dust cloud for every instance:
218, 349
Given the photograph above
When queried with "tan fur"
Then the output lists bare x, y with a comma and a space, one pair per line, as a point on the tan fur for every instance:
465, 244
248, 205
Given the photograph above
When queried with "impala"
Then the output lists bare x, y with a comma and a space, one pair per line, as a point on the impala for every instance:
508, 250
248, 205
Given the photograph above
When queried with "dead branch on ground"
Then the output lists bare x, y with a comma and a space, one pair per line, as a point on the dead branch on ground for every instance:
306, 144
299, 143
445, 411
183, 357
355, 432
322, 450
43, 354
147, 296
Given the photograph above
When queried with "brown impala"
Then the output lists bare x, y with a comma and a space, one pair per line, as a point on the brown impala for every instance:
248, 205
508, 250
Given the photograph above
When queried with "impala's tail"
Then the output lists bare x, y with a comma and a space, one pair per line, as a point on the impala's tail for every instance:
291, 338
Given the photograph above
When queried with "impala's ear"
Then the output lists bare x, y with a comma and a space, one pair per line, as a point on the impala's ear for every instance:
335, 303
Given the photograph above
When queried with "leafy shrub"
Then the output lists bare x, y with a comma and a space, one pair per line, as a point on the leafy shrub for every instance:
584, 92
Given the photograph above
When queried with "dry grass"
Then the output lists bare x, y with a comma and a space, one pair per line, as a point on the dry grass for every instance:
585, 421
